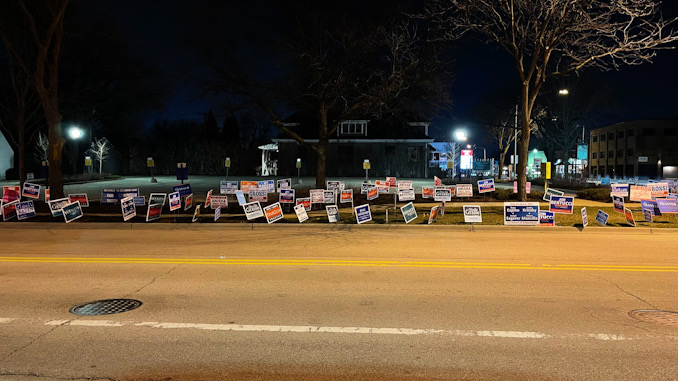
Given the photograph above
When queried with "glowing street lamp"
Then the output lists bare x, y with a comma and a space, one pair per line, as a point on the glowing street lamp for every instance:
75, 133
564, 92
460, 135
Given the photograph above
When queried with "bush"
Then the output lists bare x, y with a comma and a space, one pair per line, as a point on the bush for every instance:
595, 194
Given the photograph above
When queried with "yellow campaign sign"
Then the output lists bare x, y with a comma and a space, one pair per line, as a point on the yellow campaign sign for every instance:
548, 170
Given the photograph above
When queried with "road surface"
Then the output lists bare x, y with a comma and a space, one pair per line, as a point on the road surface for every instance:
296, 302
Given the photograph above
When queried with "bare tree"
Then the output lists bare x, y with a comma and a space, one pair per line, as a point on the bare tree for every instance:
555, 37
41, 148
44, 23
100, 148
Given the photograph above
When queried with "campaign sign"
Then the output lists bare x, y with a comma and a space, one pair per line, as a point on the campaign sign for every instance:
372, 193
659, 189
286, 196
521, 213
382, 186
153, 212
333, 185
561, 204
427, 192
273, 213
196, 213
188, 202
269, 185
547, 218
183, 189
406, 194
673, 196
174, 201
434, 214
208, 198
47, 195
346, 195
392, 182
129, 210
629, 217
584, 216
246, 185
442, 194
71, 212
365, 187
651, 206
80, 197
528, 187
31, 190
648, 215
9, 210
10, 193
240, 195
437, 182
473, 214
332, 213
56, 205
317, 196
25, 210
485, 185
409, 212
328, 196
220, 201
363, 213
402, 184
157, 198
618, 203
139, 200
639, 192
258, 194
301, 213
284, 184
217, 213
113, 196
551, 192
602, 217
253, 210
619, 190
305, 202
228, 187
464, 190
667, 205
442, 208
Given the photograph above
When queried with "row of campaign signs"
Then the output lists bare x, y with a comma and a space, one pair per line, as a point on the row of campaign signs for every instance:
655, 198
13, 206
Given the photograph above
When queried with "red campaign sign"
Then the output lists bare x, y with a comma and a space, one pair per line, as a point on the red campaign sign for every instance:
10, 193
347, 195
84, 202
436, 181
391, 182
372, 193
306, 202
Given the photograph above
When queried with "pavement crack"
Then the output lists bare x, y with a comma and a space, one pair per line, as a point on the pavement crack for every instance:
628, 293
31, 342
153, 280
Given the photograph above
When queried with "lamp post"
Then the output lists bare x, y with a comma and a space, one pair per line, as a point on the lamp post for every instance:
298, 168
75, 133
460, 136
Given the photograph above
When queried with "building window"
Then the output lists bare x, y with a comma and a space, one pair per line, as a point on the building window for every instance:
610, 135
389, 149
647, 132
602, 155
629, 152
602, 137
620, 134
594, 138
610, 154
620, 153
630, 132
414, 154
595, 170
353, 127
595, 155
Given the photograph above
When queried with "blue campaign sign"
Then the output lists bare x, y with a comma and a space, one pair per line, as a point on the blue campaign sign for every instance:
25, 210
651, 206
363, 214
139, 200
113, 196
286, 196
485, 185
621, 190
665, 205
602, 217
228, 187
174, 201
521, 213
31, 190
269, 185
183, 189
561, 204
240, 195
547, 218
618, 203
605, 181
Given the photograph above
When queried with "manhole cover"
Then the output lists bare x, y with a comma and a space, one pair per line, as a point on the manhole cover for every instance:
105, 307
656, 316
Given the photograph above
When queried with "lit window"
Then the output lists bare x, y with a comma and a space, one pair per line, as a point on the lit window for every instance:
353, 127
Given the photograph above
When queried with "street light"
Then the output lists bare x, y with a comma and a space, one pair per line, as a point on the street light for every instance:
564, 92
75, 133
460, 135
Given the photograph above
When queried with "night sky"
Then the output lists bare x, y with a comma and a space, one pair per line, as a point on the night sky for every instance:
165, 35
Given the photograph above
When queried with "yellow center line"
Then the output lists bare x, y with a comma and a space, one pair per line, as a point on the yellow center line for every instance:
345, 263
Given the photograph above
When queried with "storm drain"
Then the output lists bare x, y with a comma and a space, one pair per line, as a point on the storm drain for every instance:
656, 316
105, 307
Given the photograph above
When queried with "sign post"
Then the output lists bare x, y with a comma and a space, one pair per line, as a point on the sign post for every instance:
366, 167
150, 163
182, 172
227, 164
298, 168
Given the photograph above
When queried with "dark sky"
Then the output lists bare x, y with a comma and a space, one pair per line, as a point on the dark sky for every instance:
166, 34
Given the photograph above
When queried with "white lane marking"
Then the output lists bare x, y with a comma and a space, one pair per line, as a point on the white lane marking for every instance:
317, 329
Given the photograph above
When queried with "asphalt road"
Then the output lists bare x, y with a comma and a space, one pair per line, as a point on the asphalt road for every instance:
341, 302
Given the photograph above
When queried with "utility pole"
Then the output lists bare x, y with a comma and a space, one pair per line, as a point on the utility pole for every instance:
515, 144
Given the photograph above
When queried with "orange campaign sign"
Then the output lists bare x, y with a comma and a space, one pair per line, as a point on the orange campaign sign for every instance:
427, 192
347, 195
273, 213
246, 185
391, 182
372, 193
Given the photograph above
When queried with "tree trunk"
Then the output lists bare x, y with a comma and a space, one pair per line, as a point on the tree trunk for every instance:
56, 145
502, 158
321, 150
21, 149
524, 144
